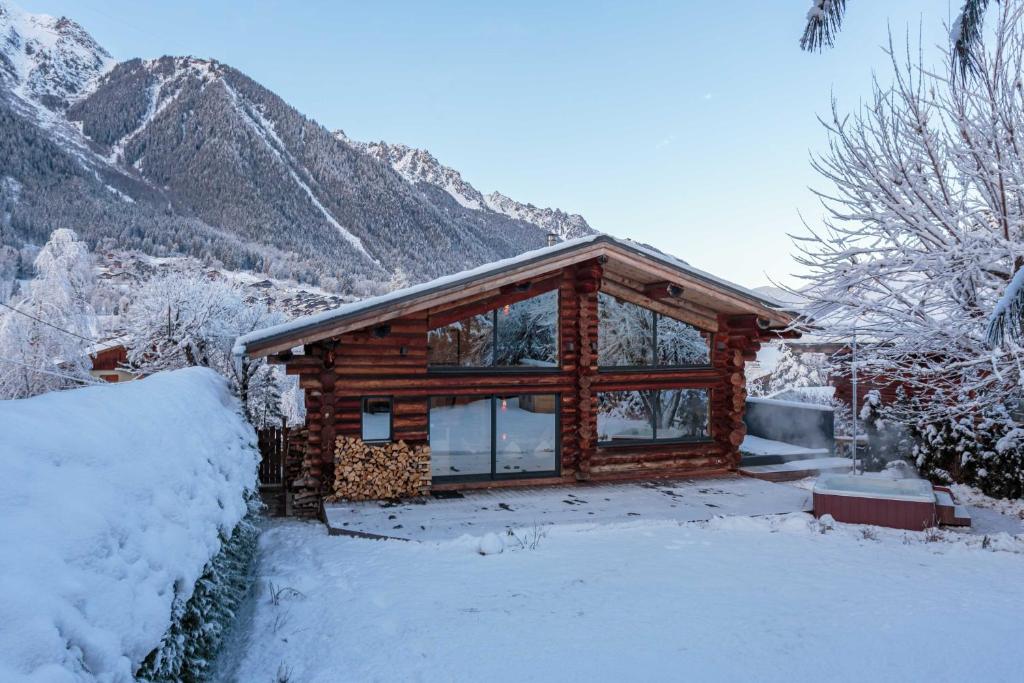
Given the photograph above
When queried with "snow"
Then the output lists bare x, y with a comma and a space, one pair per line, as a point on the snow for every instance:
851, 485
451, 281
770, 599
498, 510
756, 445
113, 499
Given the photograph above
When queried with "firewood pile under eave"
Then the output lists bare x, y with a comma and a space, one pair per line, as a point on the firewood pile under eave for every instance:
365, 471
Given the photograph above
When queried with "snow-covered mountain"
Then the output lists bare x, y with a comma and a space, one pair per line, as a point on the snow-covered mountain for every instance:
420, 166
180, 155
48, 60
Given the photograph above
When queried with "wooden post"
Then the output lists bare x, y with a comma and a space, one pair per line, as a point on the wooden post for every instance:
588, 282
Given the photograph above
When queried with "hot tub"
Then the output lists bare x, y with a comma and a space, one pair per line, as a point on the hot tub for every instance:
897, 503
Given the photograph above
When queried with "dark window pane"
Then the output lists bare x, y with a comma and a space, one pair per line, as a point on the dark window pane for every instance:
460, 436
466, 343
683, 414
625, 333
681, 344
528, 333
624, 416
376, 419
525, 428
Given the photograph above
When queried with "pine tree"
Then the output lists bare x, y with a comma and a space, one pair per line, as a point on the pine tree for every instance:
825, 18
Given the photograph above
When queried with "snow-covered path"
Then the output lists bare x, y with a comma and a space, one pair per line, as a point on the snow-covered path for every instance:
736, 599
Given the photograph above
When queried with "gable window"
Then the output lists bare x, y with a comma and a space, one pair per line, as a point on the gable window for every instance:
518, 335
376, 418
633, 336
655, 415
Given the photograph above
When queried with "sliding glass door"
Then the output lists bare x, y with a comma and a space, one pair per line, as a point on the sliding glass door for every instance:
495, 437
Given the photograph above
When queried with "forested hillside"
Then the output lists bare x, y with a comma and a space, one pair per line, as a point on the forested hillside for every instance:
180, 155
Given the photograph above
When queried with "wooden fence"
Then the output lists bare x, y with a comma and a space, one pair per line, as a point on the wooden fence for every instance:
273, 443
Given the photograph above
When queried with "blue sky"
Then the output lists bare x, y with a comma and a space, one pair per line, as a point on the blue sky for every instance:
683, 124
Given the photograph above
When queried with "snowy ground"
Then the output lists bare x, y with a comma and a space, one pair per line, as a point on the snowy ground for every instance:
614, 596
740, 598
479, 512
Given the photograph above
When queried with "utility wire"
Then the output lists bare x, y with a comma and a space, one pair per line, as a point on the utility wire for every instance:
38, 320
48, 372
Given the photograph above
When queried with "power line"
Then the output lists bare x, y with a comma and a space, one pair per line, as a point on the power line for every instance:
38, 320
49, 372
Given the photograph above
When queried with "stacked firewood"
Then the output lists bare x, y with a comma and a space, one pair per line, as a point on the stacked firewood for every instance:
379, 472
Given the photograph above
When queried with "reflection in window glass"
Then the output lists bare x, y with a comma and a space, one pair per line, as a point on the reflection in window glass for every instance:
625, 334
466, 343
460, 436
630, 335
624, 416
682, 414
681, 344
670, 414
524, 431
527, 332
376, 419
523, 334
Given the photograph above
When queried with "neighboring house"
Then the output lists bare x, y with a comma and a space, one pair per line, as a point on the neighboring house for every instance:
109, 358
591, 360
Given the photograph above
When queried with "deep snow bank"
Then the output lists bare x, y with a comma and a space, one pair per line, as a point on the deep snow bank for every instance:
112, 499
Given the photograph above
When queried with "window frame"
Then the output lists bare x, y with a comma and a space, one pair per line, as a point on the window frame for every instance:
391, 419
654, 422
493, 475
505, 369
707, 336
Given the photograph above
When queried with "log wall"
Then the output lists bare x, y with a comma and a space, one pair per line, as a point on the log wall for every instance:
391, 361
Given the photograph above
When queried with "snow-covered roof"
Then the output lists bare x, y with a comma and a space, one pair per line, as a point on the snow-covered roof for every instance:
304, 329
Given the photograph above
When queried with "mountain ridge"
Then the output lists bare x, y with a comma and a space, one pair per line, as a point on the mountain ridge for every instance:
187, 155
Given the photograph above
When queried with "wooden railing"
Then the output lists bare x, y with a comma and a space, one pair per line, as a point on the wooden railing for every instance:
273, 444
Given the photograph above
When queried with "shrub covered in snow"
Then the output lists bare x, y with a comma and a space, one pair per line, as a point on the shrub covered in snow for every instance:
114, 499
984, 450
199, 623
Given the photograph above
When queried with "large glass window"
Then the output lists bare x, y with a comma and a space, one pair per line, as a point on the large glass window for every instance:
519, 335
652, 415
524, 430
626, 416
631, 335
460, 436
467, 343
377, 419
495, 436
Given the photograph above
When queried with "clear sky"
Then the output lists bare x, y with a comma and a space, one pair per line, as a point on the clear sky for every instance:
687, 125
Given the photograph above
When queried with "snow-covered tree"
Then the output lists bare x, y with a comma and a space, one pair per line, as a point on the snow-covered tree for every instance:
925, 225
797, 370
45, 335
186, 319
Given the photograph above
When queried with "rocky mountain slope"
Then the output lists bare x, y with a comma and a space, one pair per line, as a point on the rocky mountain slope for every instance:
420, 166
190, 156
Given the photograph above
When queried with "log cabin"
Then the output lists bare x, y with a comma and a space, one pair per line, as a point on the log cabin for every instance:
589, 360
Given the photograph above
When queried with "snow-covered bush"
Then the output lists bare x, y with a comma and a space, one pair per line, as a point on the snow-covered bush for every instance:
113, 501
889, 440
187, 320
199, 623
986, 451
